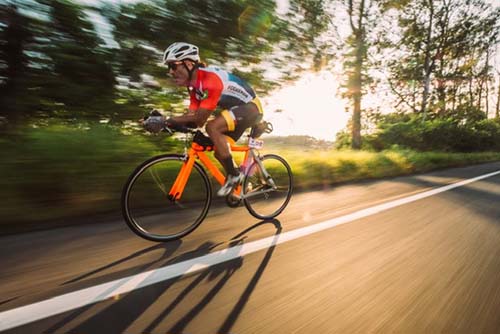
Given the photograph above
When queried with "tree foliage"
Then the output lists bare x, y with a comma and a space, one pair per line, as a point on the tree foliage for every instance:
437, 63
440, 134
54, 62
444, 55
443, 135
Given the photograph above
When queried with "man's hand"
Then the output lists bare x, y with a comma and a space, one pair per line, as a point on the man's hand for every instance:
154, 124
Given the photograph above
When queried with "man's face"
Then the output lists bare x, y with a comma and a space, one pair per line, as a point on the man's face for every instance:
179, 72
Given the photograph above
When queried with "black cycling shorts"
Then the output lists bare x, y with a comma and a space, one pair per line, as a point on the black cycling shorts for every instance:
240, 118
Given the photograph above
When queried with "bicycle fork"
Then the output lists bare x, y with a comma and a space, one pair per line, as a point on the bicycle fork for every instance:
179, 185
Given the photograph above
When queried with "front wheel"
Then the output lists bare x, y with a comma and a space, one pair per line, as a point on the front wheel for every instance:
268, 186
149, 210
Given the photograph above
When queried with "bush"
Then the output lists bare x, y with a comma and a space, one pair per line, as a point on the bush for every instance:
343, 140
445, 135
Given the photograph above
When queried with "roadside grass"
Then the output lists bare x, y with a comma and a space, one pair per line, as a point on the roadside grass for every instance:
315, 167
65, 173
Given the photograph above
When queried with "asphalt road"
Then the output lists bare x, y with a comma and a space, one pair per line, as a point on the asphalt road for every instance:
430, 265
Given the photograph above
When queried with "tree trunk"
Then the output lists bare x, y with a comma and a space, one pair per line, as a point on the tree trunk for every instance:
427, 62
357, 81
356, 123
487, 88
455, 88
471, 93
471, 85
497, 109
480, 93
487, 92
356, 116
443, 83
441, 91
453, 99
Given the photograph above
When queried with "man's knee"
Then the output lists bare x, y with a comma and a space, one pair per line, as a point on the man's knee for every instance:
216, 127
211, 128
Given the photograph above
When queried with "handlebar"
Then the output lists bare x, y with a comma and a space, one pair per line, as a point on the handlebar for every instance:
179, 128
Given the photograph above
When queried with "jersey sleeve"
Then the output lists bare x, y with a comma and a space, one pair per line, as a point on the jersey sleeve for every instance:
212, 89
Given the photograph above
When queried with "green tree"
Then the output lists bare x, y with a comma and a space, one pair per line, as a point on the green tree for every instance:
15, 35
245, 35
445, 52
81, 74
52, 61
355, 64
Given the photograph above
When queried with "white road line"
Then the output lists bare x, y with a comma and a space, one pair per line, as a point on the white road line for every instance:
70, 301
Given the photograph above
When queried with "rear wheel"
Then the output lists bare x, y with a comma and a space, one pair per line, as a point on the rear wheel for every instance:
147, 207
266, 196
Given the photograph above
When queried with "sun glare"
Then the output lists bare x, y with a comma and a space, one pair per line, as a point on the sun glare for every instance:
308, 107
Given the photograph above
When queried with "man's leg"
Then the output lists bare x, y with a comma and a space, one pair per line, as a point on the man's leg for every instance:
216, 129
234, 123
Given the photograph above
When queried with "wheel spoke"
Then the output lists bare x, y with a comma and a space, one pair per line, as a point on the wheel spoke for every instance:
266, 201
146, 205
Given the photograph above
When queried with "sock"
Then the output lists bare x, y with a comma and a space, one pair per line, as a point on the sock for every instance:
228, 165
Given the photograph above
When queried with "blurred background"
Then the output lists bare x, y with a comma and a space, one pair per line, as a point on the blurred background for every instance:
375, 75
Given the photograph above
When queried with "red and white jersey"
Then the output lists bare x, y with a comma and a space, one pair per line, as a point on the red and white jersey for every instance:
215, 87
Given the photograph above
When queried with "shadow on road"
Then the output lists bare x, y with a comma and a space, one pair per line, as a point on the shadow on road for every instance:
168, 249
117, 315
227, 271
238, 308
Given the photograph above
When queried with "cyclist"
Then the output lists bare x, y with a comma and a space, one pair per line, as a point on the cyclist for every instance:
209, 88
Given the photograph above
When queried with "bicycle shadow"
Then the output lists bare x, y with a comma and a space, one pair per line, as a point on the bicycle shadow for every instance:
124, 316
223, 272
227, 271
245, 296
168, 250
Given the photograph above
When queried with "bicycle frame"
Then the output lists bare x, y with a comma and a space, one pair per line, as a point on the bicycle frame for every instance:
198, 152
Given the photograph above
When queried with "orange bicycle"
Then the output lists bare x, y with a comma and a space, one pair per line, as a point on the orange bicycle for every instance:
168, 196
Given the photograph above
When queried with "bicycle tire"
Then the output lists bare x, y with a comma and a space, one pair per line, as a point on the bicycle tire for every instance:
151, 214
259, 197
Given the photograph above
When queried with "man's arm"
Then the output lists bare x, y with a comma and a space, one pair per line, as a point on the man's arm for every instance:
198, 117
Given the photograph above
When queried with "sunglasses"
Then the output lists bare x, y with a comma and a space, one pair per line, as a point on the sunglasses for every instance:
173, 65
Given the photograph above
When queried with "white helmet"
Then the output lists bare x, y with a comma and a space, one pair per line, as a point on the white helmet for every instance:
181, 51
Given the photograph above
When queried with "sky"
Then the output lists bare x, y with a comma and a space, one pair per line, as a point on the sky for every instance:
309, 107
